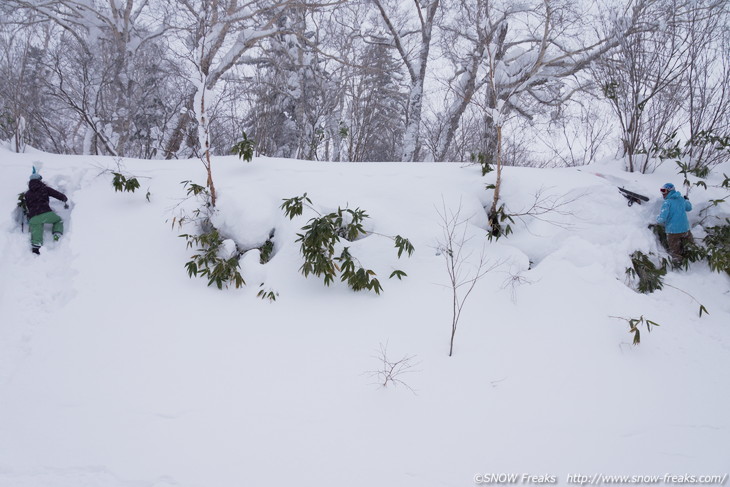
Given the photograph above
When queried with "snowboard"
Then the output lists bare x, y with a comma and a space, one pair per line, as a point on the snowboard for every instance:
620, 182
633, 197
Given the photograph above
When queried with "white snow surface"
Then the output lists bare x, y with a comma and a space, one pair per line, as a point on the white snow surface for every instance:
118, 370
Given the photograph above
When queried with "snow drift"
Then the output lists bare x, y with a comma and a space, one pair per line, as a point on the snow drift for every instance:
116, 369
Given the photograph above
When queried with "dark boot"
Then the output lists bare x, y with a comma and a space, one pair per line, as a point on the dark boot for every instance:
36, 250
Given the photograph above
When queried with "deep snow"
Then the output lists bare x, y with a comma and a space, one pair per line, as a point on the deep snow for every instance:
118, 370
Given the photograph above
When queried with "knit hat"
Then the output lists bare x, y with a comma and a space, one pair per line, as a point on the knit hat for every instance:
668, 186
35, 175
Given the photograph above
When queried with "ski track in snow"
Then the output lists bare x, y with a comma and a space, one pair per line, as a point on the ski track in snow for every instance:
39, 286
34, 287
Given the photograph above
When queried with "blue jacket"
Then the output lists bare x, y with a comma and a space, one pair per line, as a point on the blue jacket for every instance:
674, 213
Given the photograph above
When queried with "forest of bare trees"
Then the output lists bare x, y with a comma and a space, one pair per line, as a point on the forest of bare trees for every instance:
534, 82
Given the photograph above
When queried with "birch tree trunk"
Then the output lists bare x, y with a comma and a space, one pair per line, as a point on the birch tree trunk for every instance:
416, 64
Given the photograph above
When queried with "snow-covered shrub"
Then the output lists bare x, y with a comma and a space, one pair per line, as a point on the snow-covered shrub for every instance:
318, 249
217, 258
651, 277
356, 276
214, 259
320, 236
497, 226
717, 245
267, 249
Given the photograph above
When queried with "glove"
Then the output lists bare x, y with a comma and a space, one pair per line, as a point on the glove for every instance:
685, 197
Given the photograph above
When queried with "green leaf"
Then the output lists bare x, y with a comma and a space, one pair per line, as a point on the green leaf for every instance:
703, 309
192, 188
118, 182
244, 149
403, 244
375, 286
295, 206
398, 273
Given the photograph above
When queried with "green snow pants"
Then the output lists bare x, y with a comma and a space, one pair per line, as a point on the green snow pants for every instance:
36, 227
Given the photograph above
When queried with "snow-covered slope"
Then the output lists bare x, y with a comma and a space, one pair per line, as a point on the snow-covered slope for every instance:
118, 370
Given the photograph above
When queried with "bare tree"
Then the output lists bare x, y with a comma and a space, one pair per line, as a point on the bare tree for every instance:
22, 70
390, 371
219, 35
644, 78
376, 110
341, 80
576, 134
299, 96
462, 271
103, 41
533, 67
467, 50
549, 207
708, 83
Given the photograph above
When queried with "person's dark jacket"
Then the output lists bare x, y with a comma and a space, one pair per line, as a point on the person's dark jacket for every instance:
36, 198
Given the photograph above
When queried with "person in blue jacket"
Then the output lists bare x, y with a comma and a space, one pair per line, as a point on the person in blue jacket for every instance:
676, 224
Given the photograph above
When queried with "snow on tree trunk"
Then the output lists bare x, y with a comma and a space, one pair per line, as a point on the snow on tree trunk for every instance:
88, 140
426, 14
498, 182
464, 90
203, 99
410, 139
17, 143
